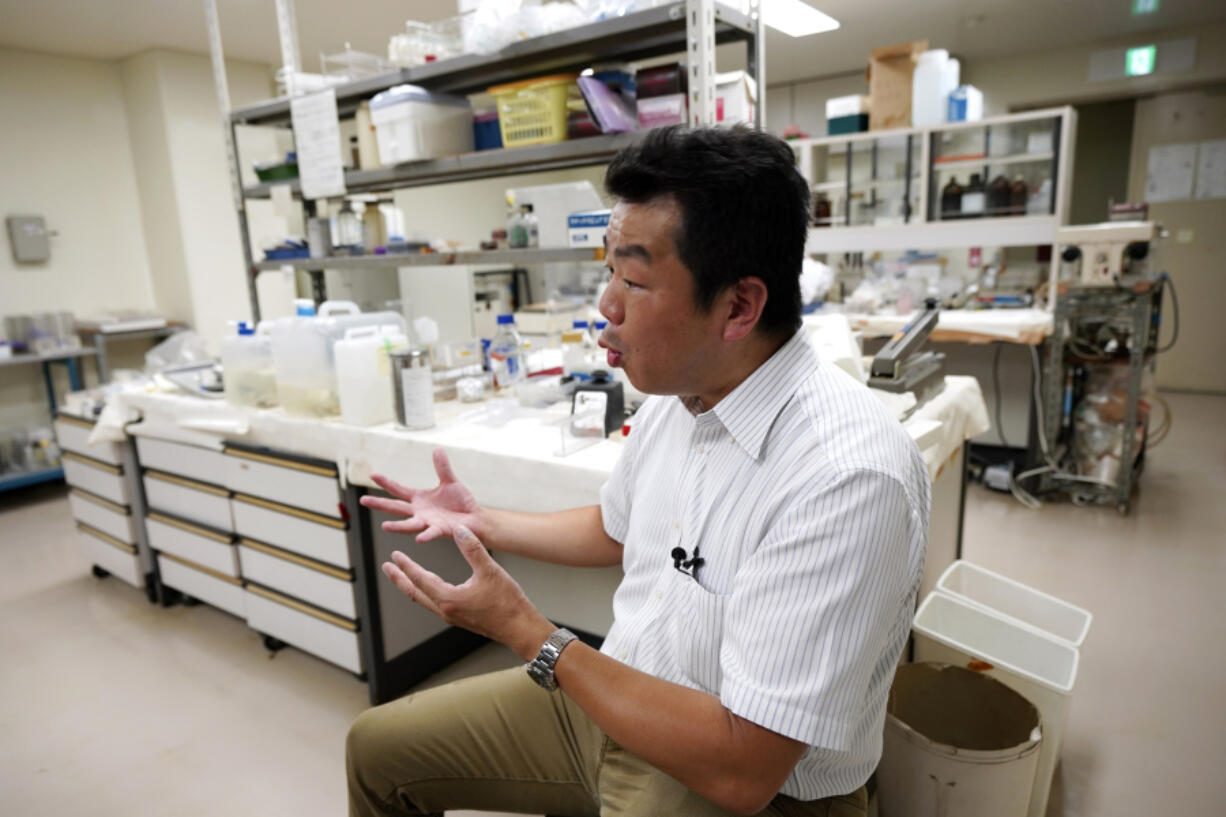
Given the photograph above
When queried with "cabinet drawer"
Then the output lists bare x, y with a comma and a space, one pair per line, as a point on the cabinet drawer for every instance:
110, 518
322, 585
191, 461
286, 481
199, 545
116, 557
72, 433
188, 499
197, 581
311, 535
97, 477
332, 638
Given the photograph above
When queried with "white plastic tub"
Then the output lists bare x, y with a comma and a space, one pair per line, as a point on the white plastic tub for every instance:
412, 124
1043, 669
1016, 601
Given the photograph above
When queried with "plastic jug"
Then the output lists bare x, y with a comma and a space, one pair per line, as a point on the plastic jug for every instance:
364, 373
246, 358
304, 357
935, 76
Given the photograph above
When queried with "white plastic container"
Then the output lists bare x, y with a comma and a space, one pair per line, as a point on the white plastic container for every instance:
246, 358
935, 76
965, 104
412, 124
1043, 669
1016, 601
364, 374
304, 357
956, 744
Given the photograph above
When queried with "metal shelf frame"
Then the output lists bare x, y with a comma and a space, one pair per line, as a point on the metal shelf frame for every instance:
440, 259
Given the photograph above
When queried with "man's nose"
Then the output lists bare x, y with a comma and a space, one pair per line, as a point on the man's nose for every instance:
609, 305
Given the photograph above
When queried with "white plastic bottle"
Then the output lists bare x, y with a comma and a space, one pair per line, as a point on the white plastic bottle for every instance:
935, 76
363, 373
507, 354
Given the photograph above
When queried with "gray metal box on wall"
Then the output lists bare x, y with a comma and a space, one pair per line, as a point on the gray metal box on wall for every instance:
28, 238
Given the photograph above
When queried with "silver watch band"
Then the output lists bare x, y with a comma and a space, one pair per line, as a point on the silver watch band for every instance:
540, 669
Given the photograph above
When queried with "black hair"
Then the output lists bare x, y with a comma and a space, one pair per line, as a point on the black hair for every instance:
744, 210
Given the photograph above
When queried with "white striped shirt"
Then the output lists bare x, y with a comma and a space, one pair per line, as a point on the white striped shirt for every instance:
809, 504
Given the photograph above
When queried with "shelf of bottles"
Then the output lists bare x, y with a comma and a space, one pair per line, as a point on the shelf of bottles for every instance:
995, 170
866, 181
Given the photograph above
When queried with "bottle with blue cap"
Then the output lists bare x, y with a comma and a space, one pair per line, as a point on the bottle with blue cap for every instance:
507, 354
246, 359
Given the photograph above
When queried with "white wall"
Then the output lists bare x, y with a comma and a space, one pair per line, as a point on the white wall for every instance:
65, 154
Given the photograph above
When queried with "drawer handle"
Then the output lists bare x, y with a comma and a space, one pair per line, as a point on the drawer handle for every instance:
206, 570
90, 462
106, 537
101, 502
73, 421
196, 530
318, 519
318, 470
294, 604
278, 553
184, 482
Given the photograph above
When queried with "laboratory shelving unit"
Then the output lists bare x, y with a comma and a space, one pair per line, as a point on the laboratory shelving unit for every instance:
692, 28
70, 360
390, 663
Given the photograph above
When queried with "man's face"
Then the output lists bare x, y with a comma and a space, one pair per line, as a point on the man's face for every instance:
656, 332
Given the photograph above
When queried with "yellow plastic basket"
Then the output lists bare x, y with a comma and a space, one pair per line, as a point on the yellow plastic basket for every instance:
533, 112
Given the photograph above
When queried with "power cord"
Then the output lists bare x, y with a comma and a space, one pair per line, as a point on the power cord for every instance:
1169, 281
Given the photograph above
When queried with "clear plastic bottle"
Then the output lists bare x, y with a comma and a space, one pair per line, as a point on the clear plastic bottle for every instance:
585, 335
507, 354
517, 228
531, 225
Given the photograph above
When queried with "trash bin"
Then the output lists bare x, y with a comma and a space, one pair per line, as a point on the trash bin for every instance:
1041, 668
1017, 601
957, 744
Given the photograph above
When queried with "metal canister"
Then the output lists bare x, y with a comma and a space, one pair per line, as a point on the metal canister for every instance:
413, 387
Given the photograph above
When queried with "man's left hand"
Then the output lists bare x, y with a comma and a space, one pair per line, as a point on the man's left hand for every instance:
489, 603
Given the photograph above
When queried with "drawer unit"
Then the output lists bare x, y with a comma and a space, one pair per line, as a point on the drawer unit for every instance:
100, 513
194, 543
188, 499
115, 557
305, 485
221, 591
331, 637
72, 433
97, 477
191, 461
317, 537
315, 582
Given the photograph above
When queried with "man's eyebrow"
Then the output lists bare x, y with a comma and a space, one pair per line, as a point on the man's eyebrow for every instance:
633, 251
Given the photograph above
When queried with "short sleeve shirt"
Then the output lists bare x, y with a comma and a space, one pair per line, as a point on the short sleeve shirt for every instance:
808, 505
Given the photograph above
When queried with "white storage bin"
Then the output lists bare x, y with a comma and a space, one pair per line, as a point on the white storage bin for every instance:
191, 461
322, 585
221, 591
327, 636
97, 477
191, 500
72, 433
116, 557
298, 484
198, 545
1016, 601
310, 535
412, 124
952, 631
108, 517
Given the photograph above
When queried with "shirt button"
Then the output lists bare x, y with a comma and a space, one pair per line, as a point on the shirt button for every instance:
659, 594
700, 448
621, 656
675, 525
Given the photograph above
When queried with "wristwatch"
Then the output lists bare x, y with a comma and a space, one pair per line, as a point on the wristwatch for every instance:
540, 669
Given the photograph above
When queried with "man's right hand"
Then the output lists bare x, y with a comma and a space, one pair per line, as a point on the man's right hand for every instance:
430, 513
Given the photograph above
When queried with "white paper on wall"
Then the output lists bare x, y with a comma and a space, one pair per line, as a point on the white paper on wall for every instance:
317, 138
1170, 172
1211, 170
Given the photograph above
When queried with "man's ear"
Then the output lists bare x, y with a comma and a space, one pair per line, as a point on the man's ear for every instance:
745, 301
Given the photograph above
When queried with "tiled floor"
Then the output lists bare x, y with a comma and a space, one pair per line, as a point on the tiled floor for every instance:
111, 706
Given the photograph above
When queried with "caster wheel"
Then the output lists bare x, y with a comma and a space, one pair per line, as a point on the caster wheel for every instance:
273, 644
190, 601
101, 573
151, 592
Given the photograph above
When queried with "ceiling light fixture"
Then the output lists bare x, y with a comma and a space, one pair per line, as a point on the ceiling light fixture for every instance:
796, 19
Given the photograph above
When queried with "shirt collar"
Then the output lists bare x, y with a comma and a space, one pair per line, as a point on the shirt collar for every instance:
749, 410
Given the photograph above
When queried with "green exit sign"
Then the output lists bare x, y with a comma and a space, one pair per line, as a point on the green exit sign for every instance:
1140, 61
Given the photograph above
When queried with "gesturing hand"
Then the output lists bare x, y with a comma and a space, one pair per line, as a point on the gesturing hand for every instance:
429, 513
489, 603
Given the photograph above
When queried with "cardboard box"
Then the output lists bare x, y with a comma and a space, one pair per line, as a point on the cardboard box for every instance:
839, 106
889, 84
852, 123
587, 229
735, 94
658, 111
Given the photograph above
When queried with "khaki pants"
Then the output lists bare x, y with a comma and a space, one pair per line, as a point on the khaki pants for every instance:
499, 742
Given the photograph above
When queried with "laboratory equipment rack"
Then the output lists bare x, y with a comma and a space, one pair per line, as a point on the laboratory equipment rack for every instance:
691, 28
1139, 308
